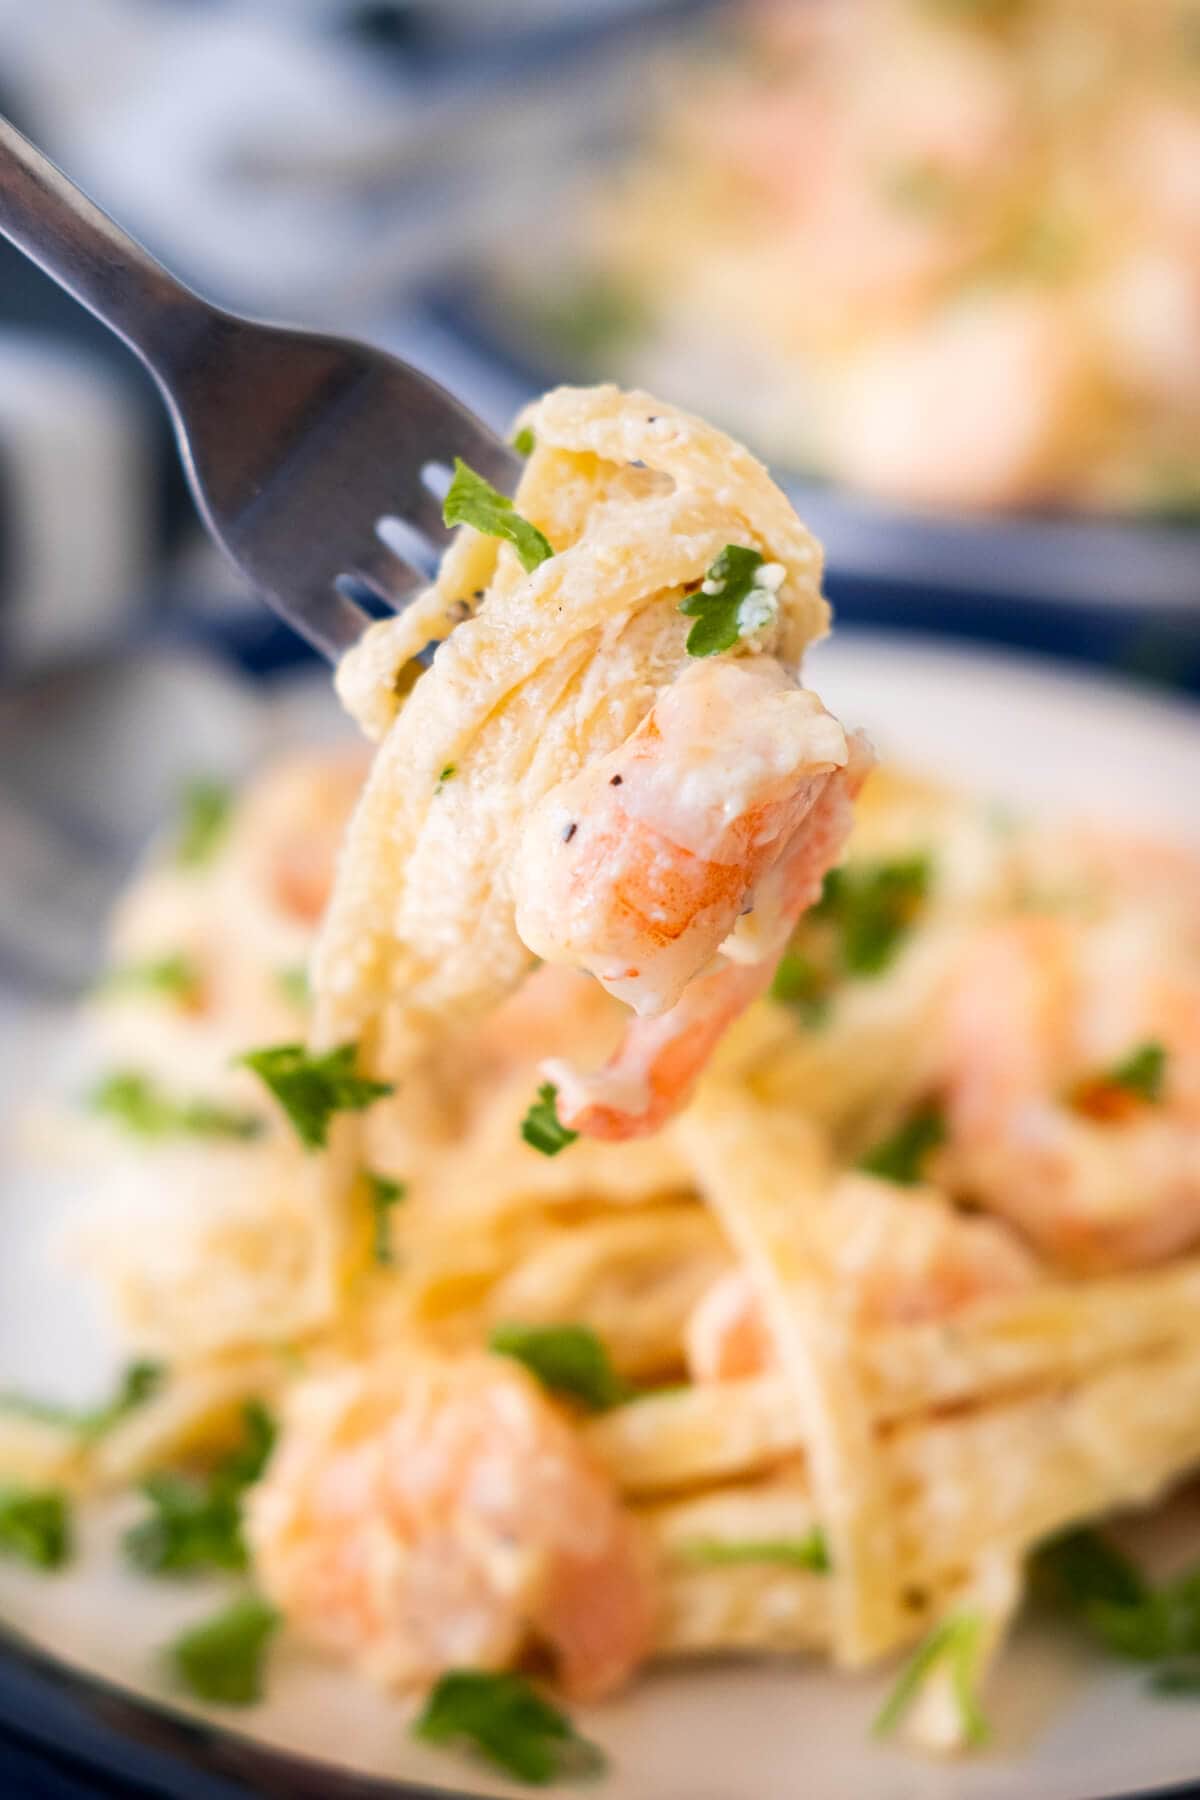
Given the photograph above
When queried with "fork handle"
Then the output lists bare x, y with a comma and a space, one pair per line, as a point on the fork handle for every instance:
66, 234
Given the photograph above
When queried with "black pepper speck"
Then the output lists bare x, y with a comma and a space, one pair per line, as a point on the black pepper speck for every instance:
616, 781
569, 831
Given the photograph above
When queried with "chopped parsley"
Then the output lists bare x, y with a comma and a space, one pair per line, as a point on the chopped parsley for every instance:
447, 774
568, 1359
312, 1088
873, 906
221, 1660
1108, 1595
1115, 1093
475, 502
293, 985
504, 1718
205, 812
954, 1644
132, 1100
1142, 1072
524, 441
901, 1157
35, 1526
854, 932
1081, 1567
738, 596
384, 1193
802, 984
139, 1383
1177, 1681
195, 1522
590, 319
175, 977
542, 1128
808, 1552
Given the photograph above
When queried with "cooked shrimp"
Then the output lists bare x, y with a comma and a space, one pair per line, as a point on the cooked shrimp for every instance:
423, 1513
283, 847
302, 824
898, 1257
675, 868
1042, 1010
1008, 356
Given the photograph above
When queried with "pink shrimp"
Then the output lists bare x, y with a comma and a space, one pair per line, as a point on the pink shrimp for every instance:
1043, 1013
305, 839
898, 1258
424, 1513
1009, 356
675, 868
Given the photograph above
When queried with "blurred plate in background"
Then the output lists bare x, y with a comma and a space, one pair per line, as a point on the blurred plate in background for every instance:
1074, 558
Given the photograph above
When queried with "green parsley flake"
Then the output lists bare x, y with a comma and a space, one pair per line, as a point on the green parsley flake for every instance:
542, 1128
1080, 1567
35, 1526
803, 985
568, 1359
384, 1193
955, 1643
205, 812
1141, 1073
311, 1089
1111, 1598
738, 596
475, 502
131, 1100
221, 1660
808, 1552
139, 1383
589, 320
175, 977
195, 1522
1114, 1095
447, 774
873, 906
901, 1157
524, 442
1177, 1681
503, 1718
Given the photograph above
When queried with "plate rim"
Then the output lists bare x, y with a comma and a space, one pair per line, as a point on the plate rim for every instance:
45, 1701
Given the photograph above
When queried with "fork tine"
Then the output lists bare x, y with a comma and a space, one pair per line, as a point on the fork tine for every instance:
331, 623
388, 575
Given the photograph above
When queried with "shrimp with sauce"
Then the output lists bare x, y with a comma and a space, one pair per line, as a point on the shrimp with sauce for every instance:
899, 1257
674, 869
1072, 1086
425, 1513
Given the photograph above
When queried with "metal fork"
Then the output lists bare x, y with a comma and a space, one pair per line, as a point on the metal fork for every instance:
300, 448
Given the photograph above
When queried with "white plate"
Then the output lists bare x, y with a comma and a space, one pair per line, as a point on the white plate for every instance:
1065, 1727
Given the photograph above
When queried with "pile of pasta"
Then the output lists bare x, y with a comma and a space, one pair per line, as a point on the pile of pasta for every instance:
539, 671
932, 1435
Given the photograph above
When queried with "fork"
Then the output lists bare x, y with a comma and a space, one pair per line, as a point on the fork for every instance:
316, 463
